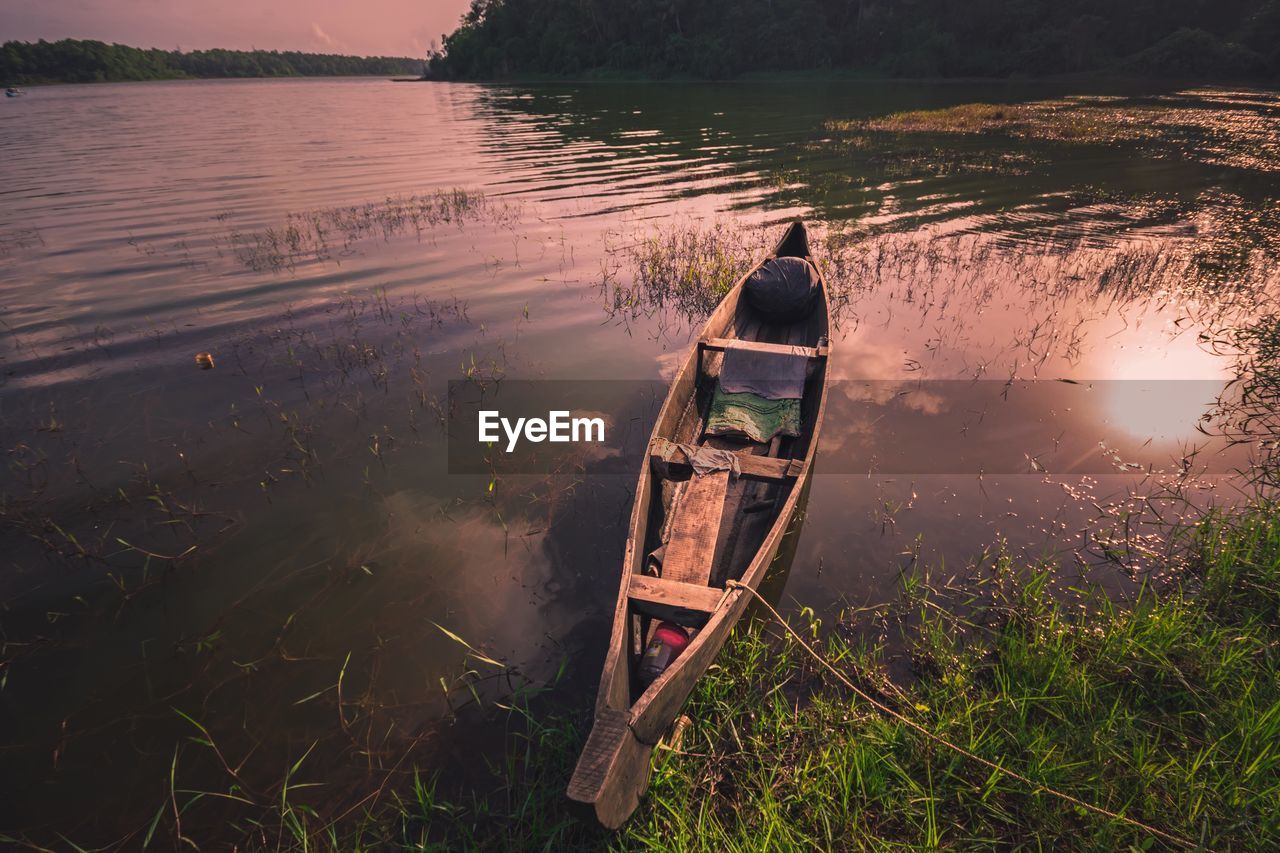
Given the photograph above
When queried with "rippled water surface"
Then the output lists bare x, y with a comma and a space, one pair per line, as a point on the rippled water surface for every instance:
1032, 339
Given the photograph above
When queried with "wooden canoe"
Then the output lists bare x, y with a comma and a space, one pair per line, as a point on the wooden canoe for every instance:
708, 539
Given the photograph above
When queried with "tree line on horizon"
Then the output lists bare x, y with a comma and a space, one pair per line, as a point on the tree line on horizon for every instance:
87, 61
909, 38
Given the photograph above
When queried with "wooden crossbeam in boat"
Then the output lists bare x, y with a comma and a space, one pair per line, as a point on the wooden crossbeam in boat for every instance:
684, 603
696, 529
718, 344
751, 466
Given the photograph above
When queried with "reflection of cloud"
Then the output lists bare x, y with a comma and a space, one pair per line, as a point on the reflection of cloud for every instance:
472, 572
1163, 381
908, 395
924, 402
592, 413
596, 453
592, 451
669, 363
1159, 410
509, 578
864, 357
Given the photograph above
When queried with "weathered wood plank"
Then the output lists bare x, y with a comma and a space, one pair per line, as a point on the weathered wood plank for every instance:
696, 529
718, 344
615, 680
673, 595
598, 754
660, 704
613, 771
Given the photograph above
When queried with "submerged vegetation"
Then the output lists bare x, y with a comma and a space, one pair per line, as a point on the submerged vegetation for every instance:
1253, 416
1242, 132
684, 268
502, 38
87, 61
320, 235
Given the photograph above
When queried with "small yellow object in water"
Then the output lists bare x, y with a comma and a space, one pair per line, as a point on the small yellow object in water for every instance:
204, 360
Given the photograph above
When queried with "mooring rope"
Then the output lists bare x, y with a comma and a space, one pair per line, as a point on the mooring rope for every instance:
1013, 774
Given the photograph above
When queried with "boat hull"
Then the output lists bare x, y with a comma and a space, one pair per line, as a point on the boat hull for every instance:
626, 725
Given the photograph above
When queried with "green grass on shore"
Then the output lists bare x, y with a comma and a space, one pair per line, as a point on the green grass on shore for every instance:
1167, 711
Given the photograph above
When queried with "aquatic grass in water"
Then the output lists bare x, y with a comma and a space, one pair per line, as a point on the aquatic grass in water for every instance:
297, 371
687, 266
1249, 413
1217, 273
321, 235
1211, 126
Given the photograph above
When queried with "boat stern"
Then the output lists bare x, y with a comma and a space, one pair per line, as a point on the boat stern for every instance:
613, 770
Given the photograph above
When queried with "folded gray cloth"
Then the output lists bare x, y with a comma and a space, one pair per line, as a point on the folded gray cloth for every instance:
706, 460
703, 460
772, 375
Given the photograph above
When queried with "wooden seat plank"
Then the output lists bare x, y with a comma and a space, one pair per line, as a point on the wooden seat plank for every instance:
674, 594
718, 344
751, 466
695, 530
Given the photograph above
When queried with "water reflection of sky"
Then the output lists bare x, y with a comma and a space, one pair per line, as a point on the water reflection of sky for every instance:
1022, 353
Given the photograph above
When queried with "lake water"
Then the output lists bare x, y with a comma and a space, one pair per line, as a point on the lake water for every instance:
1031, 334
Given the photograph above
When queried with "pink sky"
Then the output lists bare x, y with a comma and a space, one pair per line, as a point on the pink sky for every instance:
387, 27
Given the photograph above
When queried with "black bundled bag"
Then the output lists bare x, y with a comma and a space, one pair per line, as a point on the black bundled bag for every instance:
783, 289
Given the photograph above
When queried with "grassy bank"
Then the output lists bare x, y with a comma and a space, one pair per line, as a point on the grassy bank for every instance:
1167, 712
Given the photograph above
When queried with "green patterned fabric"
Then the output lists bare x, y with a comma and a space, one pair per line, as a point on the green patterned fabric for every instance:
752, 415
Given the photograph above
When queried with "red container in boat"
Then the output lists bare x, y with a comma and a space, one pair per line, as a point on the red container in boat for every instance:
669, 640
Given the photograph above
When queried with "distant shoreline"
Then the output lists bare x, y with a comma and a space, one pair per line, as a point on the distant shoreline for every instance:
841, 76
86, 61
34, 84
756, 78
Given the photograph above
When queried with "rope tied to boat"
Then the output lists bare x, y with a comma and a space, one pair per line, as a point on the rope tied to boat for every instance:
938, 739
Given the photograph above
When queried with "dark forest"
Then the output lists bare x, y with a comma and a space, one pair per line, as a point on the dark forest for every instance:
910, 38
